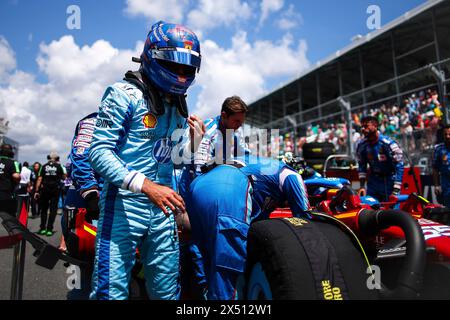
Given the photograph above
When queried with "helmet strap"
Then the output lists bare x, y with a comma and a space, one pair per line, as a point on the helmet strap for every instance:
155, 104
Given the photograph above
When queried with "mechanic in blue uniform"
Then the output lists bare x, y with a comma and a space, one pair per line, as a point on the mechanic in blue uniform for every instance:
385, 158
86, 181
131, 150
441, 168
224, 201
222, 139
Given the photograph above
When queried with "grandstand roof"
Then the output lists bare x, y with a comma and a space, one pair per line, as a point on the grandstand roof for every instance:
359, 42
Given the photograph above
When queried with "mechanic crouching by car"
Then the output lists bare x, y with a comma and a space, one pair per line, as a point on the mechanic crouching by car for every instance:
131, 150
441, 168
385, 159
223, 202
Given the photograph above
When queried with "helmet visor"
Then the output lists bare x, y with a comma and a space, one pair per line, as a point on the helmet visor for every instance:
178, 55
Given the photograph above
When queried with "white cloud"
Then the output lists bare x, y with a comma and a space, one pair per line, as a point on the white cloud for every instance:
7, 58
168, 10
43, 116
244, 69
199, 15
269, 6
213, 13
290, 19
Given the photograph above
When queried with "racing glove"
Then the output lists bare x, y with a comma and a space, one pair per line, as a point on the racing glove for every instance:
92, 209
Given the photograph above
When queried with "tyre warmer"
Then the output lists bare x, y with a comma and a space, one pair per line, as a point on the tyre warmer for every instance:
328, 278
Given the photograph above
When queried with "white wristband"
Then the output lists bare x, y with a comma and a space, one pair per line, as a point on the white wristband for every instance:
133, 181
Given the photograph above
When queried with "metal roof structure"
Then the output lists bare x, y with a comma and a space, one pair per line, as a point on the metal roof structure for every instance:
384, 64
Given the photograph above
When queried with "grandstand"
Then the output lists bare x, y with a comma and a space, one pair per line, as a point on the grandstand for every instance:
402, 66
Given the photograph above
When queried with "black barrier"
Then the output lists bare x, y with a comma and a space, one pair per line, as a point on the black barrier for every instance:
18, 267
46, 255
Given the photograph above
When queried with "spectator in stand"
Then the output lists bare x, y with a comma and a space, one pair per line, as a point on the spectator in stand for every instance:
356, 122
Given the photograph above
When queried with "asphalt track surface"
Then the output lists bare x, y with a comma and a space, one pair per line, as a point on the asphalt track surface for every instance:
38, 283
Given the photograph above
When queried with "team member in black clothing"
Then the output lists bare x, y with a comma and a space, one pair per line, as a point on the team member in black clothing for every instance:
34, 202
9, 178
48, 188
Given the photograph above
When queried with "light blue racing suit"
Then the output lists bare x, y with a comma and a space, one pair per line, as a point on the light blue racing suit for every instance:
130, 143
221, 205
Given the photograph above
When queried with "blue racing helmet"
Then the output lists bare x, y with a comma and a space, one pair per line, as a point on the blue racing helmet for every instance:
171, 57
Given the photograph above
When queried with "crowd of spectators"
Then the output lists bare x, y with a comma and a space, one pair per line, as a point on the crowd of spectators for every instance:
413, 124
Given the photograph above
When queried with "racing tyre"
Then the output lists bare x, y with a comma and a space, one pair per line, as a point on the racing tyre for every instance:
316, 150
288, 261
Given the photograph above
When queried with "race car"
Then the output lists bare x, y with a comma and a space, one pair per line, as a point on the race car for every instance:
403, 240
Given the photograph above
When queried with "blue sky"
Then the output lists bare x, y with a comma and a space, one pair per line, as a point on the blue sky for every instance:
50, 76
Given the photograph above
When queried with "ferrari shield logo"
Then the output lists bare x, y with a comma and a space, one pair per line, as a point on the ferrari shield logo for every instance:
150, 121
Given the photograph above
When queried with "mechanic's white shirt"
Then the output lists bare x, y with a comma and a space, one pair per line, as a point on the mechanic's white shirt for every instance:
25, 175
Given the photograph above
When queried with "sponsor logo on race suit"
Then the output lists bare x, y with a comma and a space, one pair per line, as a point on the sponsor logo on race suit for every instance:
103, 123
84, 137
150, 121
80, 150
77, 143
162, 150
86, 131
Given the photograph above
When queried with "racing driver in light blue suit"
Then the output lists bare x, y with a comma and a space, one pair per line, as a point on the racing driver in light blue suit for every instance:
131, 150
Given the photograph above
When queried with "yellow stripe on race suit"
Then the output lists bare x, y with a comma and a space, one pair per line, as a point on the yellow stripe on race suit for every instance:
86, 228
